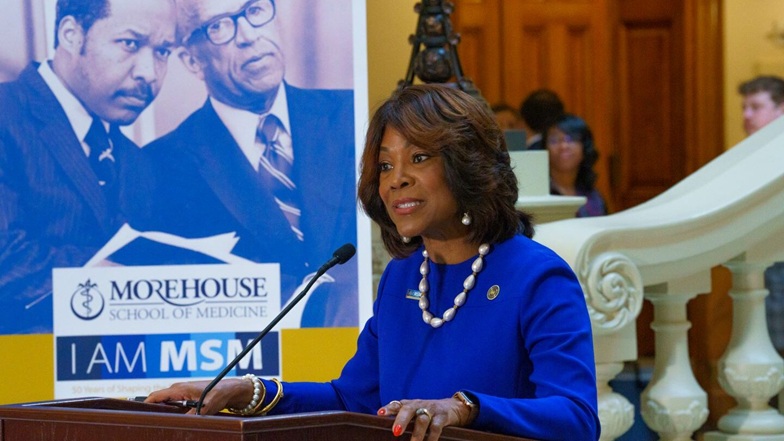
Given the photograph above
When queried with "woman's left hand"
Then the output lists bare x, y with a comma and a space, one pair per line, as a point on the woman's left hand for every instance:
426, 414
229, 392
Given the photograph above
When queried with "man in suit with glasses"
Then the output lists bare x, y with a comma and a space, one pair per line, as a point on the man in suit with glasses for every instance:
264, 159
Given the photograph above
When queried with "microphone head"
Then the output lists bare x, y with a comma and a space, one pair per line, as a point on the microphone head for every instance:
344, 253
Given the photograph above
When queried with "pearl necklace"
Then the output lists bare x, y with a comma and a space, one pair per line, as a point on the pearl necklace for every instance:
460, 299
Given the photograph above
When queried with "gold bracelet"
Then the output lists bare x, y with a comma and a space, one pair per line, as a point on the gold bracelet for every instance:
276, 399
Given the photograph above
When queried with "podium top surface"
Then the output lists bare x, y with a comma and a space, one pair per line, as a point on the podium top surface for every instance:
117, 419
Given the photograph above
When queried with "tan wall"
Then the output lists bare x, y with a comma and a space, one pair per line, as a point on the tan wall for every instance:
389, 24
748, 52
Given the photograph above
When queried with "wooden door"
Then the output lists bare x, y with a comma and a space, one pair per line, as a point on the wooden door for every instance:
480, 46
644, 75
668, 67
562, 45
650, 89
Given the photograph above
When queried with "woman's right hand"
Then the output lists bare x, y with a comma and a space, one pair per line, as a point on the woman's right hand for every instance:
429, 416
231, 392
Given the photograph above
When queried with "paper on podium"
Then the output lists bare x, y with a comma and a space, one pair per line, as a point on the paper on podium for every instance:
216, 247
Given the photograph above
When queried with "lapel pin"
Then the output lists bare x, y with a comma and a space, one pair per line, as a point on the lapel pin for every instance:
492, 293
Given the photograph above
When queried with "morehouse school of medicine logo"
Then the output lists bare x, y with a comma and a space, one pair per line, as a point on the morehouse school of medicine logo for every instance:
87, 301
215, 295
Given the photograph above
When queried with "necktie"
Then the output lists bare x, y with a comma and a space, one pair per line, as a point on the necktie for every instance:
275, 167
101, 158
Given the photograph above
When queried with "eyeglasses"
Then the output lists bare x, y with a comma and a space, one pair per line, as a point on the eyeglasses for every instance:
555, 140
221, 30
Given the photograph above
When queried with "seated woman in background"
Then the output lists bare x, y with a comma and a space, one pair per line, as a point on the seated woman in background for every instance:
570, 145
475, 324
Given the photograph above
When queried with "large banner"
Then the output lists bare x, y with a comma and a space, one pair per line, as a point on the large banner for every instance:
226, 178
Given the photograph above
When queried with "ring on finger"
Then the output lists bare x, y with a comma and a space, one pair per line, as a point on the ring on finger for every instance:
425, 412
395, 402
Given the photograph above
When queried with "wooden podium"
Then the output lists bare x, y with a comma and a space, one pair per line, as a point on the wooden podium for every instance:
93, 419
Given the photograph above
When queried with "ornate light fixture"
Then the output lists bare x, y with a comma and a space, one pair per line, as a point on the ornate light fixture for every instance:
434, 49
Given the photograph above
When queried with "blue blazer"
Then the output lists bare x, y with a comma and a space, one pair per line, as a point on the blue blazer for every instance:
206, 186
53, 213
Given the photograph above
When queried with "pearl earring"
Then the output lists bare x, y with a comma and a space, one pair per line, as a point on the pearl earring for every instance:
405, 239
466, 220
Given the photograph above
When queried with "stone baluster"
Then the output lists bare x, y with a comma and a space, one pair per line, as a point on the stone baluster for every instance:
673, 404
614, 295
616, 413
751, 371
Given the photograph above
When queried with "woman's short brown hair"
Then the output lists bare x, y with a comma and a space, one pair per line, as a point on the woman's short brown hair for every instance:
477, 168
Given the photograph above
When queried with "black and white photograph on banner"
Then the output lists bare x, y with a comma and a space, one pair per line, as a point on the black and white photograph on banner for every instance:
178, 132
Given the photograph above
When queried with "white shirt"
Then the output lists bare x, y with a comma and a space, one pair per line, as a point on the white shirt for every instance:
242, 124
77, 115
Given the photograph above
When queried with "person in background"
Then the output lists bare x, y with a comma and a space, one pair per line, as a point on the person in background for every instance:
475, 324
511, 123
763, 101
269, 161
68, 178
539, 110
572, 156
507, 116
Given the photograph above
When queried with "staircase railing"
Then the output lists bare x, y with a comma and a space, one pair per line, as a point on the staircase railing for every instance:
730, 213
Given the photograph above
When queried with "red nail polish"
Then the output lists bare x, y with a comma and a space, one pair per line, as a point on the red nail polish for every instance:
382, 411
397, 430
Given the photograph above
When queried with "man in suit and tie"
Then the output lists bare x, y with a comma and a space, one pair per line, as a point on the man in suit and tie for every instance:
264, 159
67, 175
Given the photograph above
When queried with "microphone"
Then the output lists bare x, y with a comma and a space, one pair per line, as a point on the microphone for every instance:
339, 257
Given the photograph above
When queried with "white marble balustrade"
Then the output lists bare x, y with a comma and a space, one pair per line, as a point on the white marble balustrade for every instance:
731, 213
